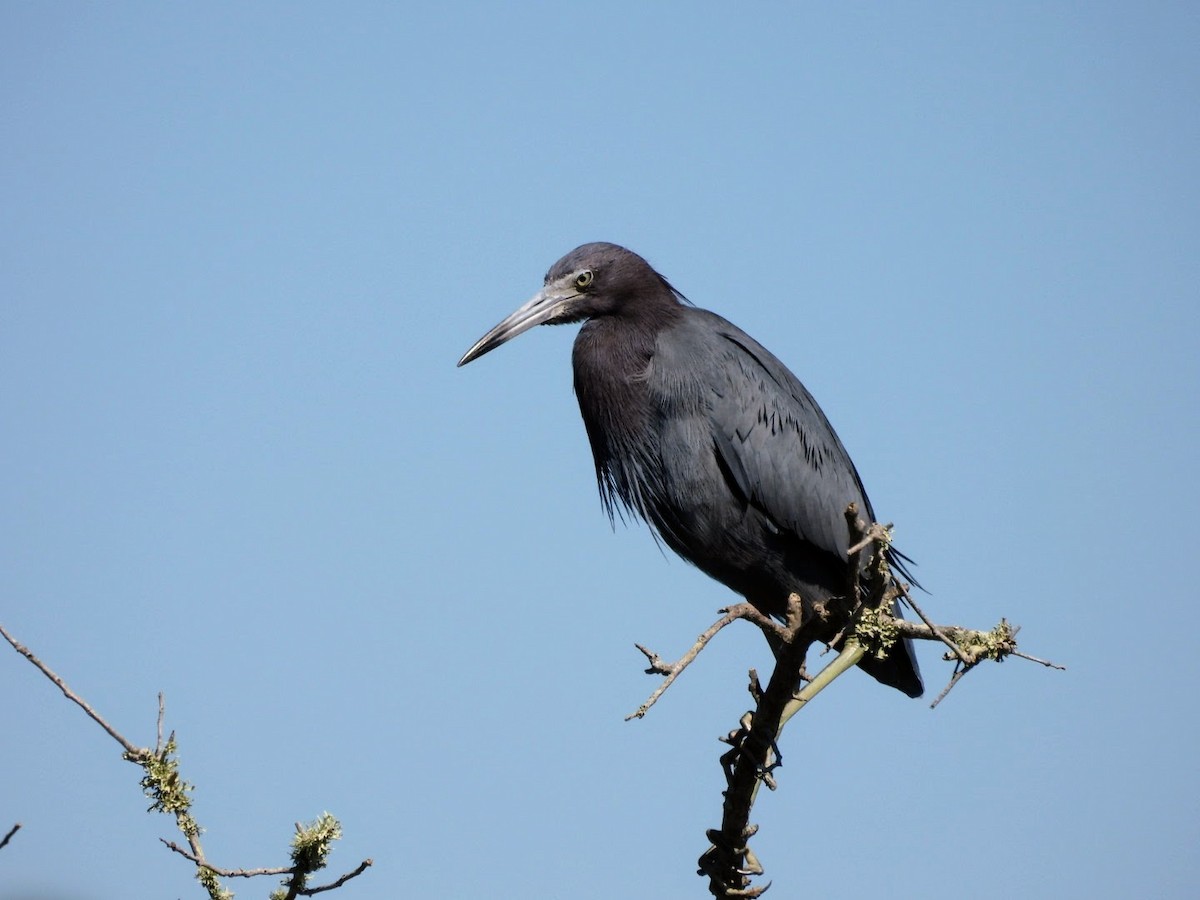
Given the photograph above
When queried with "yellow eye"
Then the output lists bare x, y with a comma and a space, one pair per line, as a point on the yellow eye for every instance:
584, 279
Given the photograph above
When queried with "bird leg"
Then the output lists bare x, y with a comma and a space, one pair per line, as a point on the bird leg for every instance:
673, 670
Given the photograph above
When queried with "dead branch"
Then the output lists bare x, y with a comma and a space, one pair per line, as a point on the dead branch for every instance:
224, 873
169, 793
941, 635
334, 885
673, 670
8, 837
279, 870
130, 749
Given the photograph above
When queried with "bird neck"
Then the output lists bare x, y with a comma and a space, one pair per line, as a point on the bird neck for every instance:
610, 356
613, 350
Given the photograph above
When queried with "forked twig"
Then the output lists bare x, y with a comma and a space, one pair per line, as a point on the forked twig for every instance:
278, 870
675, 669
217, 870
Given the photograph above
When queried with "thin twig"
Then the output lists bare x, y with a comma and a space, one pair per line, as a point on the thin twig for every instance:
156, 775
673, 670
1044, 662
362, 867
134, 752
8, 837
280, 870
162, 711
938, 633
958, 675
224, 873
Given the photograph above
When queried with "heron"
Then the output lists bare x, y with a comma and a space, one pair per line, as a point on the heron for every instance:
701, 432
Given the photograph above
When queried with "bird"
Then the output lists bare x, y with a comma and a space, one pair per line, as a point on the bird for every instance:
700, 431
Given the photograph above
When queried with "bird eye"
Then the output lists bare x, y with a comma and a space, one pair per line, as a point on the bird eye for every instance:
584, 279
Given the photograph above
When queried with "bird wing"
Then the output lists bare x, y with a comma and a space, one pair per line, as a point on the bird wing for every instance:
775, 445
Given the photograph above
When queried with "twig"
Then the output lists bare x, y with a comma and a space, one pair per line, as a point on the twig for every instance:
8, 837
171, 794
673, 670
130, 749
362, 867
938, 633
162, 711
958, 676
224, 873
970, 647
1036, 659
279, 870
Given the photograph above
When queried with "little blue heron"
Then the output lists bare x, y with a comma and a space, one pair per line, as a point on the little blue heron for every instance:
699, 430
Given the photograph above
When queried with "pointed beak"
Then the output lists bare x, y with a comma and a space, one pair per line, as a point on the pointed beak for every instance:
551, 303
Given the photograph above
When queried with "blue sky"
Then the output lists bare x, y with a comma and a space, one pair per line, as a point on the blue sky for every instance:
243, 247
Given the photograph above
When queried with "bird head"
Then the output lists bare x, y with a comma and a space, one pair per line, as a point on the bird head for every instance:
592, 280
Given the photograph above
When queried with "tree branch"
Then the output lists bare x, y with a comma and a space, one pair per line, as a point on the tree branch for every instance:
8, 837
334, 885
217, 870
675, 669
130, 749
169, 793
868, 627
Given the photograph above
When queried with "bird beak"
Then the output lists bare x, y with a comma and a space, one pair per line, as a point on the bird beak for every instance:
552, 302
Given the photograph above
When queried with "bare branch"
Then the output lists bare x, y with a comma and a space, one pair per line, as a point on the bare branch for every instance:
673, 670
171, 794
958, 676
130, 749
1040, 661
8, 837
162, 711
224, 873
279, 870
333, 885
941, 636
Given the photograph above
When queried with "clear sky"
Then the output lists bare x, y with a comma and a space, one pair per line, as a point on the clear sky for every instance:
243, 246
